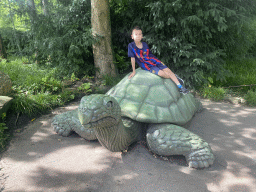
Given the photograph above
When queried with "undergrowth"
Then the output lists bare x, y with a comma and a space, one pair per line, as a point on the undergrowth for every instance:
250, 98
35, 89
213, 93
243, 72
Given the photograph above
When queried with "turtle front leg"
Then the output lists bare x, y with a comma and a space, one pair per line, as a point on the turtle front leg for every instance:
168, 139
65, 123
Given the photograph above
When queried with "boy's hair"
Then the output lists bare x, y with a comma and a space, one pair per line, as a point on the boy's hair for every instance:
136, 28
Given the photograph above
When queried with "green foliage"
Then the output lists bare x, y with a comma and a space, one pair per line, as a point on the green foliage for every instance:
30, 77
250, 98
244, 42
24, 104
39, 103
85, 87
191, 37
111, 81
37, 89
66, 38
121, 60
73, 77
3, 136
216, 94
62, 39
243, 73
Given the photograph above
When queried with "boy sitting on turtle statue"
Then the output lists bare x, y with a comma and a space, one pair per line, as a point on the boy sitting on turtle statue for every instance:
140, 52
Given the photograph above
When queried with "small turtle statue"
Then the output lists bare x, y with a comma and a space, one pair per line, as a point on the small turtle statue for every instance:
146, 100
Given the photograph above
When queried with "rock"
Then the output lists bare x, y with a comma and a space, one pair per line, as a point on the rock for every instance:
5, 84
234, 100
5, 103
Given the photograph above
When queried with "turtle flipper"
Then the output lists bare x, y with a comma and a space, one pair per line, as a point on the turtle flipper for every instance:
65, 123
168, 139
62, 123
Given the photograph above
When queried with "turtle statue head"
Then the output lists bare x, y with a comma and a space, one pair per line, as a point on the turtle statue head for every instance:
99, 110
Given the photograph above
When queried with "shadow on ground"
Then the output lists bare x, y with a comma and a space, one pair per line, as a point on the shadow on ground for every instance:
40, 160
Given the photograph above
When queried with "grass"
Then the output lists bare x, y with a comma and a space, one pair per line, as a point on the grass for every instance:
35, 90
4, 136
213, 93
250, 98
243, 73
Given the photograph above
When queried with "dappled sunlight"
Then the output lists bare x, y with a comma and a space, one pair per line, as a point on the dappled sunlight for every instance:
75, 159
45, 123
231, 132
250, 133
125, 177
38, 136
249, 154
230, 122
66, 167
237, 177
41, 160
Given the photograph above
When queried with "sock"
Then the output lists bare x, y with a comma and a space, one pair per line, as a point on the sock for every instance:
179, 85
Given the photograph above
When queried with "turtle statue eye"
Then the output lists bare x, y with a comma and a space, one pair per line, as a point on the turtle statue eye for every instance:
110, 104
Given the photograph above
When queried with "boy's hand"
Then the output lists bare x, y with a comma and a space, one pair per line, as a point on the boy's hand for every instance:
130, 76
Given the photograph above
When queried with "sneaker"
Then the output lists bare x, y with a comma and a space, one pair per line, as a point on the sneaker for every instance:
180, 80
184, 90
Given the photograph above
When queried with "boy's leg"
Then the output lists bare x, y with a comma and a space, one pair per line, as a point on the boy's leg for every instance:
168, 74
180, 80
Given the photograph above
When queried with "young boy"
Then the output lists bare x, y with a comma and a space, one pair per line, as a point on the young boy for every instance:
140, 52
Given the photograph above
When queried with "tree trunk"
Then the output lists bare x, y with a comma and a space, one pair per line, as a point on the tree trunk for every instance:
45, 7
102, 49
14, 30
2, 48
31, 10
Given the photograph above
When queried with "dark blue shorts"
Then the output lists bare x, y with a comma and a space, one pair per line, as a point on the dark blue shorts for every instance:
155, 69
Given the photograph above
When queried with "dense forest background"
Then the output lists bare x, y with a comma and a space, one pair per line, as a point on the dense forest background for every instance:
194, 38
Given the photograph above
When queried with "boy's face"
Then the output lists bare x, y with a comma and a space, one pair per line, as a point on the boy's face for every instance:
137, 35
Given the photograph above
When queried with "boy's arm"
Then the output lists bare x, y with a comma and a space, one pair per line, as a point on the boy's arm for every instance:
133, 68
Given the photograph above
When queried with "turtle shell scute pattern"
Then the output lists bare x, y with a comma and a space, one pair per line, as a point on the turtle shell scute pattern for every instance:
149, 98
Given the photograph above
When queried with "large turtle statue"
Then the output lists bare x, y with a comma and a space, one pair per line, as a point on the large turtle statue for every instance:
146, 100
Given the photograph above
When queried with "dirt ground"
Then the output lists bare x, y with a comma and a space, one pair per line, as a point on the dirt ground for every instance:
40, 160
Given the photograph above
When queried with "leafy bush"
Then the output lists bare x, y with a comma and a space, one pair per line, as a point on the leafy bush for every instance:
3, 136
62, 39
26, 105
36, 89
31, 78
250, 98
243, 73
121, 60
37, 104
85, 87
191, 37
111, 81
216, 94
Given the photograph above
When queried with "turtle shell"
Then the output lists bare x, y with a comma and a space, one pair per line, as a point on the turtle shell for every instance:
149, 98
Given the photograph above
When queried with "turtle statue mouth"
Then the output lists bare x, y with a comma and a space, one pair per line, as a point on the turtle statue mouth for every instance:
104, 112
103, 122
